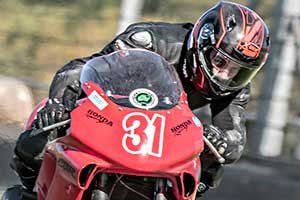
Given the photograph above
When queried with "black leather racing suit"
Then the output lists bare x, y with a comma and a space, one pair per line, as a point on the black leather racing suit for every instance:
168, 40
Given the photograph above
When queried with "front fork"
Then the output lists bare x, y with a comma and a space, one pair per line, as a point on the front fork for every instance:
99, 193
161, 185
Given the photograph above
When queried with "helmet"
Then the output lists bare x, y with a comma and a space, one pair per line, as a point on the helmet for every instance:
228, 45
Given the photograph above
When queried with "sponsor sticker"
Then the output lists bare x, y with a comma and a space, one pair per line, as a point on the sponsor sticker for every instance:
143, 98
67, 167
97, 100
177, 130
99, 118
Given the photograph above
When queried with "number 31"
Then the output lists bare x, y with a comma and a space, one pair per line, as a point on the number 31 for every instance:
143, 135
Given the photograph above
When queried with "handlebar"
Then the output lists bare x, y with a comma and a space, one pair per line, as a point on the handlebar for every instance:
56, 125
47, 128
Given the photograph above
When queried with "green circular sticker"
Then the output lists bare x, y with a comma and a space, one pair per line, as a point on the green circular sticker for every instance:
143, 98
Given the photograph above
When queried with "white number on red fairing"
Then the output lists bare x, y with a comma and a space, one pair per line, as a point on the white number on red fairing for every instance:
143, 135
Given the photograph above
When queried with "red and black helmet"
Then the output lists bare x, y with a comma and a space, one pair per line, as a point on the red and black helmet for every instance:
229, 44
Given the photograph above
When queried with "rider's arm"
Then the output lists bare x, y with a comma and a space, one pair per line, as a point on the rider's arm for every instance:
228, 118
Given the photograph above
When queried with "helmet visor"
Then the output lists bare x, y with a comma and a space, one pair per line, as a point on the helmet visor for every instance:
225, 71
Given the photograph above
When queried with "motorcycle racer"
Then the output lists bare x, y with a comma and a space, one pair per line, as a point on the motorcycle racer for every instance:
216, 59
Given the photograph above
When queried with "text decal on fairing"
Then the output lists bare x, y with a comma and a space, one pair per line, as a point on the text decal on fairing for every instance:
143, 135
97, 100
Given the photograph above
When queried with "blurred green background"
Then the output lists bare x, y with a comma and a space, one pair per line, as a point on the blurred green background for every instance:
37, 37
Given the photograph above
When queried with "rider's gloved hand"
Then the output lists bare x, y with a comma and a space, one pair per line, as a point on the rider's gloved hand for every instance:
58, 110
71, 95
53, 112
217, 138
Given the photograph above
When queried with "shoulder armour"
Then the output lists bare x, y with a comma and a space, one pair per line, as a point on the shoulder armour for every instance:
143, 39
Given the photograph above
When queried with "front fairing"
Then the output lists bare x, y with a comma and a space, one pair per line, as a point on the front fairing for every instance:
146, 140
115, 124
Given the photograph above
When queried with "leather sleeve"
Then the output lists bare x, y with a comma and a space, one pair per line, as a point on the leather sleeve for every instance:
65, 76
228, 114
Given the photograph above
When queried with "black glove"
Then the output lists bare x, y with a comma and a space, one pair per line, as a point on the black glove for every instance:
71, 95
217, 138
53, 112
57, 111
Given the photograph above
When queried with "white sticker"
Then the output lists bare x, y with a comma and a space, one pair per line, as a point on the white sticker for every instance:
197, 121
97, 100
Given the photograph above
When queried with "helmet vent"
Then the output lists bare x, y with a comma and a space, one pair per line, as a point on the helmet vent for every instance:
230, 23
207, 34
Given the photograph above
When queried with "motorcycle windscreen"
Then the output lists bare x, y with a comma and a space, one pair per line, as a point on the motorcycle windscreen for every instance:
135, 78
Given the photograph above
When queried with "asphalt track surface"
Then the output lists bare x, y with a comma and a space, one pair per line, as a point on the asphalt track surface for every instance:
259, 179
249, 179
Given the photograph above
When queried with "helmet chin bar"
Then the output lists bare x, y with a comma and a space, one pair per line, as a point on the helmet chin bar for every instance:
221, 92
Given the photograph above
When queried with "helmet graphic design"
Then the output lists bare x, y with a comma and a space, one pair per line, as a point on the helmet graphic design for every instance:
229, 44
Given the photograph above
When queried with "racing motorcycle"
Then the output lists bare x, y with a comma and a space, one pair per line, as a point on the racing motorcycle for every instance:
132, 136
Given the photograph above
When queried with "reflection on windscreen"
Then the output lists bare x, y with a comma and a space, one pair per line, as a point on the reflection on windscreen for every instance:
137, 78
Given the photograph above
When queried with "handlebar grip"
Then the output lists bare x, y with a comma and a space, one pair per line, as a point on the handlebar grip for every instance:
220, 159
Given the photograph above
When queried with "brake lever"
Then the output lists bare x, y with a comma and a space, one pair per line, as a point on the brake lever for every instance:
220, 159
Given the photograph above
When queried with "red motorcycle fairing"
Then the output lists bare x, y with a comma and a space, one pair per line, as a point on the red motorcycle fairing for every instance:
106, 137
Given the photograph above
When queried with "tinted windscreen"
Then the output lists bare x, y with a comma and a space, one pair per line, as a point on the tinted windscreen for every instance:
135, 78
